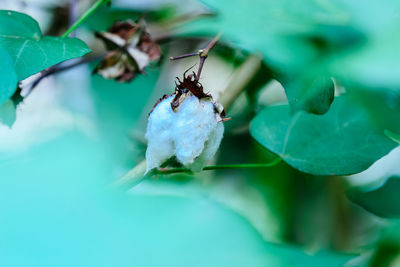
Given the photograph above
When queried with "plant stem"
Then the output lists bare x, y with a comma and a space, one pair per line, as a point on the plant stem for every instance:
203, 53
84, 17
222, 167
66, 65
134, 176
202, 60
243, 166
184, 55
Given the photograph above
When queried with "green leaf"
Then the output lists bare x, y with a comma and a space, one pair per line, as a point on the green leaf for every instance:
374, 65
8, 77
292, 256
374, 62
107, 16
127, 225
383, 201
343, 141
291, 35
276, 28
21, 36
273, 254
387, 249
314, 95
383, 106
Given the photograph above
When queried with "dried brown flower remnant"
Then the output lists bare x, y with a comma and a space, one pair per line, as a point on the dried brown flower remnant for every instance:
188, 87
188, 84
131, 50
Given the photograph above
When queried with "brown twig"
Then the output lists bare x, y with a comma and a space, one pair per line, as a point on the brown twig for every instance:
60, 67
184, 55
203, 53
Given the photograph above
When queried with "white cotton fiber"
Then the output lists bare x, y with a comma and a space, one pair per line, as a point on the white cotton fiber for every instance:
192, 132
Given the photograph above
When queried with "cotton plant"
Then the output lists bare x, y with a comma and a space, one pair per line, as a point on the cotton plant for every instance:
187, 125
191, 132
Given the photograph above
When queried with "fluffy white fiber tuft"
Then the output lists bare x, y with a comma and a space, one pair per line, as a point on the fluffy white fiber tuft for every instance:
192, 132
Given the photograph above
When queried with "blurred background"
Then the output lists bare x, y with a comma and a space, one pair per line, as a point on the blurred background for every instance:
76, 133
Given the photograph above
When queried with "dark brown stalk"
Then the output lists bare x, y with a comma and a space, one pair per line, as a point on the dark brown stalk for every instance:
203, 53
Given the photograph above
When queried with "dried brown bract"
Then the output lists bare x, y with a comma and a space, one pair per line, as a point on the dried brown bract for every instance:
190, 87
131, 50
188, 84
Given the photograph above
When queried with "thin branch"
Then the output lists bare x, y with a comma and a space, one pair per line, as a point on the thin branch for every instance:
202, 60
276, 161
184, 55
136, 175
210, 45
59, 68
221, 167
203, 53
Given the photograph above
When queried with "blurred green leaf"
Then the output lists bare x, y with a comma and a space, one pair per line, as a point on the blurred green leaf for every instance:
291, 256
277, 29
21, 36
63, 210
382, 104
107, 16
355, 42
274, 254
383, 201
343, 141
387, 249
372, 63
375, 64
313, 95
8, 77
294, 37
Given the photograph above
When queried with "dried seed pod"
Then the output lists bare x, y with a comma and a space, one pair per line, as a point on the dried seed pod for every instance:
131, 51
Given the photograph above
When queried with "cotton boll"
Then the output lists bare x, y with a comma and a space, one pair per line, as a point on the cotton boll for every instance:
192, 132
193, 126
160, 144
210, 148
